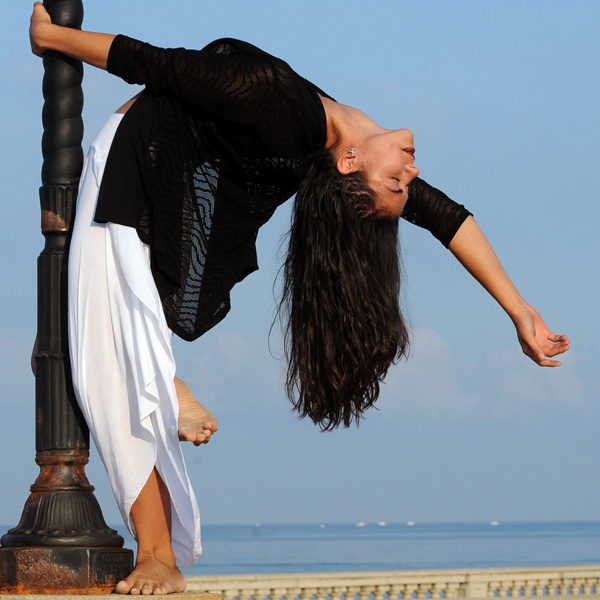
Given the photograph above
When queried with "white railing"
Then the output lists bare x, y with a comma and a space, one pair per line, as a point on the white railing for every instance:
580, 581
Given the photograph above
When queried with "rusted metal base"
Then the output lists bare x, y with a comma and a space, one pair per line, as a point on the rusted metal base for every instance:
39, 570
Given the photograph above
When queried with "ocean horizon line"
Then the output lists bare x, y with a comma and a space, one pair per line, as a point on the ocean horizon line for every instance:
404, 522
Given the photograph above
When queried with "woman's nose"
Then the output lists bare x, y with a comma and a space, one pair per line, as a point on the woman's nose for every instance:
409, 134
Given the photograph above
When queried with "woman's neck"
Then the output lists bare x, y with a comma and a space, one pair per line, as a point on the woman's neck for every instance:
347, 126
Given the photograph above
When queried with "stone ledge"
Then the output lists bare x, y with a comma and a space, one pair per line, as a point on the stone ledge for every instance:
572, 582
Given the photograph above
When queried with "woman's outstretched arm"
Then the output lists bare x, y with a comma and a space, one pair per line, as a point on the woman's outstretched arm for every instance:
475, 253
87, 46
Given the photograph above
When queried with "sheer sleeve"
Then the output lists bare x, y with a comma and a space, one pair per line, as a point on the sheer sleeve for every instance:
217, 79
431, 209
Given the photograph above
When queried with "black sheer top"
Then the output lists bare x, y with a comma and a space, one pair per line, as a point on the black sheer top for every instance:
218, 139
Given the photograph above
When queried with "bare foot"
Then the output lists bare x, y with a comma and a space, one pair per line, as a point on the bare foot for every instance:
195, 423
152, 576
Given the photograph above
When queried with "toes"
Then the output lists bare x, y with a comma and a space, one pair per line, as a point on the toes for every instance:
197, 437
137, 588
123, 587
188, 435
201, 439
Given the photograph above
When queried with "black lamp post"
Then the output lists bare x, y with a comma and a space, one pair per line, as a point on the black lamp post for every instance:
62, 543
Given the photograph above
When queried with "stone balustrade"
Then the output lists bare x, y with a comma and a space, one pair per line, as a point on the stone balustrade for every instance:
581, 581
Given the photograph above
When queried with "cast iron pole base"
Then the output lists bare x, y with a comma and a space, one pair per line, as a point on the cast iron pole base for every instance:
39, 570
62, 543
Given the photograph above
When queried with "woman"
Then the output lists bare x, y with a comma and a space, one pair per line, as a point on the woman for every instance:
172, 194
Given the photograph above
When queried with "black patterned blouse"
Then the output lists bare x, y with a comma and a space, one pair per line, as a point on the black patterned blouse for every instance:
202, 159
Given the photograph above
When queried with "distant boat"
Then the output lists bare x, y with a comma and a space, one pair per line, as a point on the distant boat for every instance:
360, 524
381, 524
494, 523
255, 529
410, 523
322, 525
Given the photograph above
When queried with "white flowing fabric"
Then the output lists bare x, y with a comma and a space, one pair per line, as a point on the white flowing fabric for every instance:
121, 359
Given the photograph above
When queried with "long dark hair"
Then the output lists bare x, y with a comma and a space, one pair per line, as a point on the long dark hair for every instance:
341, 285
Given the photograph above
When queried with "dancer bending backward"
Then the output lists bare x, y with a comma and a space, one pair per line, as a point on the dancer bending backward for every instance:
172, 194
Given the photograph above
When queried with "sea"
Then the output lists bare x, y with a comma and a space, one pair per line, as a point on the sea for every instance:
266, 548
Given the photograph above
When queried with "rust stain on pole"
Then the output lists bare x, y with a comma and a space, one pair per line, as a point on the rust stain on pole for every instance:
60, 570
53, 222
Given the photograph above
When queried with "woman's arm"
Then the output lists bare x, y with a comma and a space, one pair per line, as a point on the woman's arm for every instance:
236, 85
475, 253
87, 46
431, 209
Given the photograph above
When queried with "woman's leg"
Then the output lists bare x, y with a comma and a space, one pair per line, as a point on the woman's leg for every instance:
123, 373
155, 570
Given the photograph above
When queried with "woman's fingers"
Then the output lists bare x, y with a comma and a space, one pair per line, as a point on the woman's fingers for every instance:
549, 363
553, 337
40, 13
555, 344
531, 349
39, 19
537, 354
551, 349
542, 356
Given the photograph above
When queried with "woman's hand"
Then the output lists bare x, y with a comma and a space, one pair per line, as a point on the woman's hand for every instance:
537, 341
39, 20
33, 353
473, 250
87, 46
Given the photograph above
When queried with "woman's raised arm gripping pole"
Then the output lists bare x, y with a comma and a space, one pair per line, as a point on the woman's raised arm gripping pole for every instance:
87, 46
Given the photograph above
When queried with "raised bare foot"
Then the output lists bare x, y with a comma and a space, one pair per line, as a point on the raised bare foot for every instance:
152, 576
195, 423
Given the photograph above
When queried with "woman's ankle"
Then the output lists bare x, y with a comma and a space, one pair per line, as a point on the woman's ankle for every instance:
151, 515
165, 555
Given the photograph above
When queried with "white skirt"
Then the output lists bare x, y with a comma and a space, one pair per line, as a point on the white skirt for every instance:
121, 358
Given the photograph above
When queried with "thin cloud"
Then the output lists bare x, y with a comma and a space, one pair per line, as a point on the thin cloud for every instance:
429, 381
230, 372
499, 385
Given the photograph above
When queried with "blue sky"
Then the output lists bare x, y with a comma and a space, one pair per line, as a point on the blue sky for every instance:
503, 98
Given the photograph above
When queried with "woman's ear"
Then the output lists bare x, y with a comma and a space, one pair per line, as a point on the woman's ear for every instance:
347, 162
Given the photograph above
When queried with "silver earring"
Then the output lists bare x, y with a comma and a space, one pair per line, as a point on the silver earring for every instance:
352, 151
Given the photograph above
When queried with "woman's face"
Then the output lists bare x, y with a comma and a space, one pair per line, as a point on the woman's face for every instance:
387, 160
